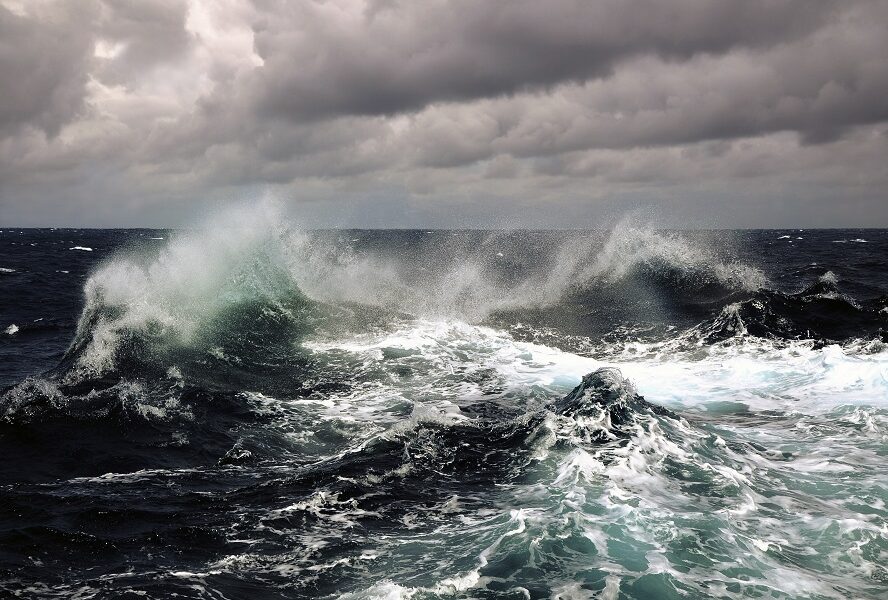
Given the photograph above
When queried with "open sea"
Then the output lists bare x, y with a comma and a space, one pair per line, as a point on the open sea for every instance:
247, 410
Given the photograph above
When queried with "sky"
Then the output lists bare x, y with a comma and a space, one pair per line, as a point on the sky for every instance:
445, 113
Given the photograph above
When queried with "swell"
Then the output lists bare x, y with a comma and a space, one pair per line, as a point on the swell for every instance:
412, 477
820, 312
588, 487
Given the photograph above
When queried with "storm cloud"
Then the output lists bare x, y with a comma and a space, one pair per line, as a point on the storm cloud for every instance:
447, 113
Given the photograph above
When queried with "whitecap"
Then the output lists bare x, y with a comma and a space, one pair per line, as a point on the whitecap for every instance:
83, 248
829, 277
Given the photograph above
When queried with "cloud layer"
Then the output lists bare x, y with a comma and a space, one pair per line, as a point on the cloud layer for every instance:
447, 113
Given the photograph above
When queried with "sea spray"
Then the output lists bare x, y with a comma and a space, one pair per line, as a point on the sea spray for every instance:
256, 255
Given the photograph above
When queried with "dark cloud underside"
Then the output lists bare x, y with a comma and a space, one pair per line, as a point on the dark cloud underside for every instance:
521, 112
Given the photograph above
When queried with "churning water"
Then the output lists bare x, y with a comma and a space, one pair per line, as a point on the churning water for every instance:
248, 410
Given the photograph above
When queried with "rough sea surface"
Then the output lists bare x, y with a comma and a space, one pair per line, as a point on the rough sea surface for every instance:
246, 410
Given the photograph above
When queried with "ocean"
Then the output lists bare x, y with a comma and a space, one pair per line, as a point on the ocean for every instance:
249, 410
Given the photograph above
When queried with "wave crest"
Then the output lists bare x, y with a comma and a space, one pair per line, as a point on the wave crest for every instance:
174, 299
210, 286
630, 248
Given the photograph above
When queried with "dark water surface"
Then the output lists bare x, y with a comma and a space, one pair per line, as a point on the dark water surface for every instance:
260, 412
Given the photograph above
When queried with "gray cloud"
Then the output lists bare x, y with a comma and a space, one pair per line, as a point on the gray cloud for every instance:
126, 112
403, 56
44, 62
139, 35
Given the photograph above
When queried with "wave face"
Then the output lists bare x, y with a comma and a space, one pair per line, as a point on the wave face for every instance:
251, 410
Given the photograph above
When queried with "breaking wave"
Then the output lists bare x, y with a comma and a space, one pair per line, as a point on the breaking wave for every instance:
209, 287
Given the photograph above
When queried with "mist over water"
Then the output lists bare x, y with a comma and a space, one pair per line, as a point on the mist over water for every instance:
252, 410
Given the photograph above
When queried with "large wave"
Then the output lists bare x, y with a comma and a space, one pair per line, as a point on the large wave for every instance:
252, 272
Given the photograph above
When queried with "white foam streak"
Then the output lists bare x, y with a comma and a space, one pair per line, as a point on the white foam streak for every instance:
761, 377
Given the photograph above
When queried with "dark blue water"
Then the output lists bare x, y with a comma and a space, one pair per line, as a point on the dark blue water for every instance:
259, 412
